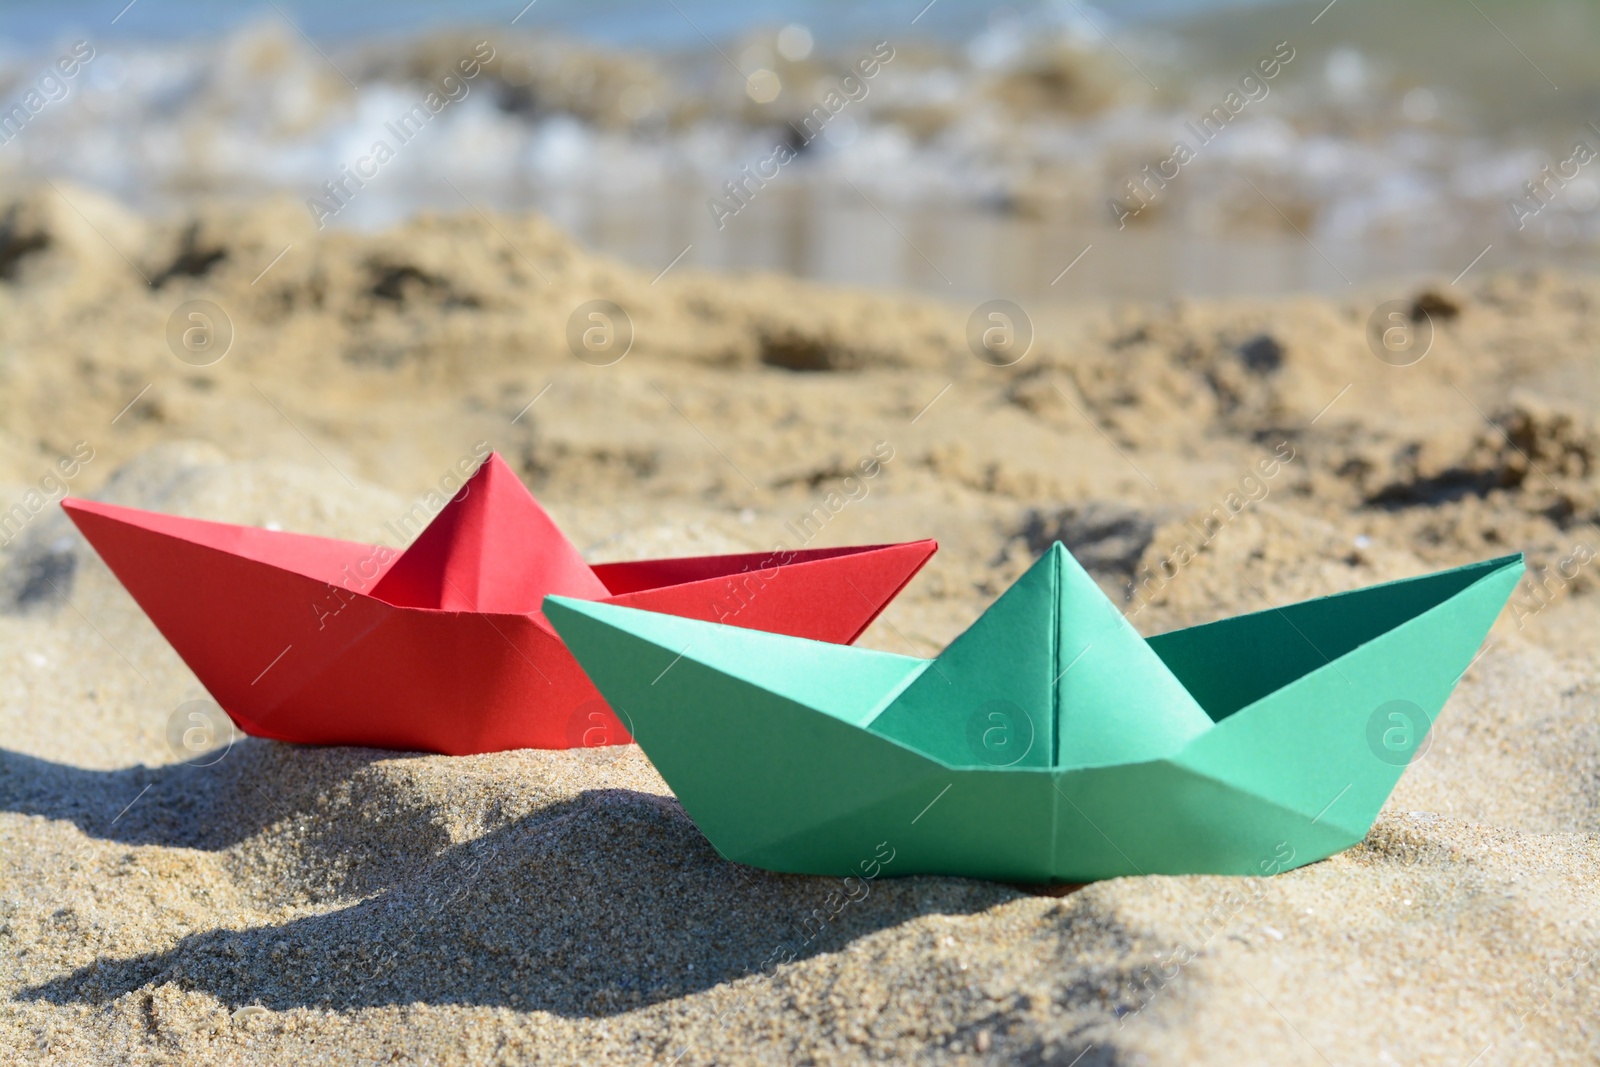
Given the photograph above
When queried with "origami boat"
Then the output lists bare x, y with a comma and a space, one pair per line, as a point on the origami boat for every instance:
443, 647
1050, 742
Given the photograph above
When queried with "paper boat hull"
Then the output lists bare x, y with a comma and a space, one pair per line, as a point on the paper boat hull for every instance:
270, 626
1288, 774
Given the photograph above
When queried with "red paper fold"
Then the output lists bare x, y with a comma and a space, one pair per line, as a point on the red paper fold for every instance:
443, 647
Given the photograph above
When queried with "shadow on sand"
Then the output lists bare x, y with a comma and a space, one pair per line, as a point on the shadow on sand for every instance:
251, 785
587, 907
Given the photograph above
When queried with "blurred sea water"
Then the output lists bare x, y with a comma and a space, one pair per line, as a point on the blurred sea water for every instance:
1054, 151
647, 24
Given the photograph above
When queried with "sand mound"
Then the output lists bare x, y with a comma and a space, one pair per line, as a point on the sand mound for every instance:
281, 905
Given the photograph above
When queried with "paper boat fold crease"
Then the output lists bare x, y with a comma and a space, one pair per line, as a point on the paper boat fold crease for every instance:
1050, 742
443, 647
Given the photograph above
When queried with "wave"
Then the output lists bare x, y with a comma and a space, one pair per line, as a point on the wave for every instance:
982, 163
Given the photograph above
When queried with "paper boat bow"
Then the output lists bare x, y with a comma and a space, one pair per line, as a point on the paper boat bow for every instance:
1049, 742
443, 647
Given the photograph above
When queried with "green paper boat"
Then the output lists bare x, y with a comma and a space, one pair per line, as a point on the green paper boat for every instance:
1050, 742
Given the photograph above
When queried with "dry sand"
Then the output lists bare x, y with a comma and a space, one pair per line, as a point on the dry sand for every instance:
290, 905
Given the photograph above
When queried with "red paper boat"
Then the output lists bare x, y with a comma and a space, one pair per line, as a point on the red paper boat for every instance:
443, 647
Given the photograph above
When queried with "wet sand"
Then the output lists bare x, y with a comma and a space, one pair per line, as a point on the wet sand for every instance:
284, 904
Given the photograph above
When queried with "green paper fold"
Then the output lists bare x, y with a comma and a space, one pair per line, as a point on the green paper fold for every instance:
1049, 742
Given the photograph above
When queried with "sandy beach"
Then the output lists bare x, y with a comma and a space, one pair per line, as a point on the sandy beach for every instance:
268, 903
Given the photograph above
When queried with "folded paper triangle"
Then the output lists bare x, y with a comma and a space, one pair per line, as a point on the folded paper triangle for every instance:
492, 548
1094, 691
988, 762
443, 647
